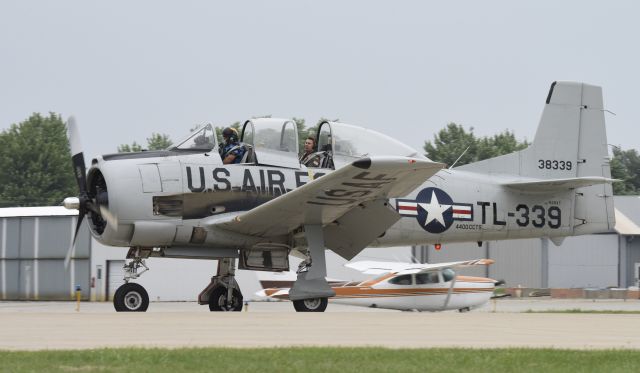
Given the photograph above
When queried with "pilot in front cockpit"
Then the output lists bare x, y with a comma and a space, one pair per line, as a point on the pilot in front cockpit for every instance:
232, 151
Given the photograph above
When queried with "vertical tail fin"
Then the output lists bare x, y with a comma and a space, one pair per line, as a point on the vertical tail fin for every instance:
570, 142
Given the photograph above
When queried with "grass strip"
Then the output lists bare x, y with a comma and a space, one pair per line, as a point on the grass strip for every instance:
320, 359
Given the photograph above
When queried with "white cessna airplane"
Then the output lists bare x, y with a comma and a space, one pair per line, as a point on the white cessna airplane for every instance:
369, 190
409, 286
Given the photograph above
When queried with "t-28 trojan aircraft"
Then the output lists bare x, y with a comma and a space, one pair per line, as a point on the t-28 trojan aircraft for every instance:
369, 190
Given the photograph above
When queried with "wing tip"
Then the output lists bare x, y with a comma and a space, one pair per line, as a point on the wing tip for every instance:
363, 163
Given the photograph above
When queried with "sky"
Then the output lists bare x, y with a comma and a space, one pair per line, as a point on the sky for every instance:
126, 69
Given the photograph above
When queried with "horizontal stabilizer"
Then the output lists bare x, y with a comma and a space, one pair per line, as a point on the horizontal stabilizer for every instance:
554, 185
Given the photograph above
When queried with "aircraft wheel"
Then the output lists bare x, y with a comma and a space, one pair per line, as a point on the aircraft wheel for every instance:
311, 305
117, 306
465, 309
218, 300
131, 297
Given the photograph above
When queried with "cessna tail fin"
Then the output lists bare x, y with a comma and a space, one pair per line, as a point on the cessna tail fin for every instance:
570, 143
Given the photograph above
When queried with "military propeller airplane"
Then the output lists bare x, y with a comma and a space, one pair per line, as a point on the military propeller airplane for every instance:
369, 190
409, 286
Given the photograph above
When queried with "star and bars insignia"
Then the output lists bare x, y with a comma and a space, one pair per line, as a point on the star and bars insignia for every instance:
434, 210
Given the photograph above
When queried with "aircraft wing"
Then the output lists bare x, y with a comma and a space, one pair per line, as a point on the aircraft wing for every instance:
552, 185
378, 268
331, 196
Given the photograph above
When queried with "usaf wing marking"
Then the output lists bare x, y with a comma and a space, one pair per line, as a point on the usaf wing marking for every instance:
324, 200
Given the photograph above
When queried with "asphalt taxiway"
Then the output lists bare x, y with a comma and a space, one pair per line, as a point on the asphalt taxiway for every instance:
56, 325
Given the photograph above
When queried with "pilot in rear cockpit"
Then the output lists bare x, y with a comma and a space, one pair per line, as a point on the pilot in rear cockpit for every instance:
307, 158
232, 151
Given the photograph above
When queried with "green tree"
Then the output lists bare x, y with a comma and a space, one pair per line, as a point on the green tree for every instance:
625, 166
303, 132
219, 130
35, 163
452, 141
502, 143
126, 148
157, 141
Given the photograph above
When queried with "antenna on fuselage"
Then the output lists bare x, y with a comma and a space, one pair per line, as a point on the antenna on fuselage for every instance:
456, 161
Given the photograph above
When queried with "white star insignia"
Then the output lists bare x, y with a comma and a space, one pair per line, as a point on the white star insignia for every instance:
434, 210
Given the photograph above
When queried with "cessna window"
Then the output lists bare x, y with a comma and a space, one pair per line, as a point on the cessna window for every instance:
427, 278
203, 139
448, 274
401, 280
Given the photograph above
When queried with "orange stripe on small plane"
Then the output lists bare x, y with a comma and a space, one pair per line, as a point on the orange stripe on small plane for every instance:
270, 292
358, 290
377, 279
474, 279
422, 293
368, 292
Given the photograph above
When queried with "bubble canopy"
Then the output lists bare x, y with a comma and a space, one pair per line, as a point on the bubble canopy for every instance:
203, 139
351, 142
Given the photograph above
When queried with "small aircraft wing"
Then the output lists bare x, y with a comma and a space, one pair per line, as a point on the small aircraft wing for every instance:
378, 268
552, 185
329, 197
369, 267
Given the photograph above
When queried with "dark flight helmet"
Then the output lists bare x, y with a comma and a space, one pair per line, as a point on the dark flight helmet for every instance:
230, 133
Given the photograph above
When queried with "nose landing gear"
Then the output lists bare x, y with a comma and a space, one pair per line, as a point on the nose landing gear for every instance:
132, 297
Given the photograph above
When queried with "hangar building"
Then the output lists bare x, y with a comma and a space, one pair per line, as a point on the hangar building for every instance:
33, 244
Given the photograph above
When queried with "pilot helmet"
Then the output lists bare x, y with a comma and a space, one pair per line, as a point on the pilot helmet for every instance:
230, 133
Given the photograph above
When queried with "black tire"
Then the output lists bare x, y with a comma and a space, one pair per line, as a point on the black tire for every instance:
311, 305
218, 300
115, 296
131, 297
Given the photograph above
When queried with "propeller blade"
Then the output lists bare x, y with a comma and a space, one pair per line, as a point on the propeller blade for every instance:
109, 217
67, 257
77, 157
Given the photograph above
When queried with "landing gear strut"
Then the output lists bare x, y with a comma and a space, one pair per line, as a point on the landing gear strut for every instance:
223, 293
131, 297
311, 290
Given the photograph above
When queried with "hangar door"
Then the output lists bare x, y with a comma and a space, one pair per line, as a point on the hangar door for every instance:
115, 277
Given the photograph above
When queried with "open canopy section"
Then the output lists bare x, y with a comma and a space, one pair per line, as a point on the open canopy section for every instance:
275, 141
347, 142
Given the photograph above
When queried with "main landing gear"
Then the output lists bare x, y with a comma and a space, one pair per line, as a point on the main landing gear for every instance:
132, 297
311, 291
223, 293
310, 305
